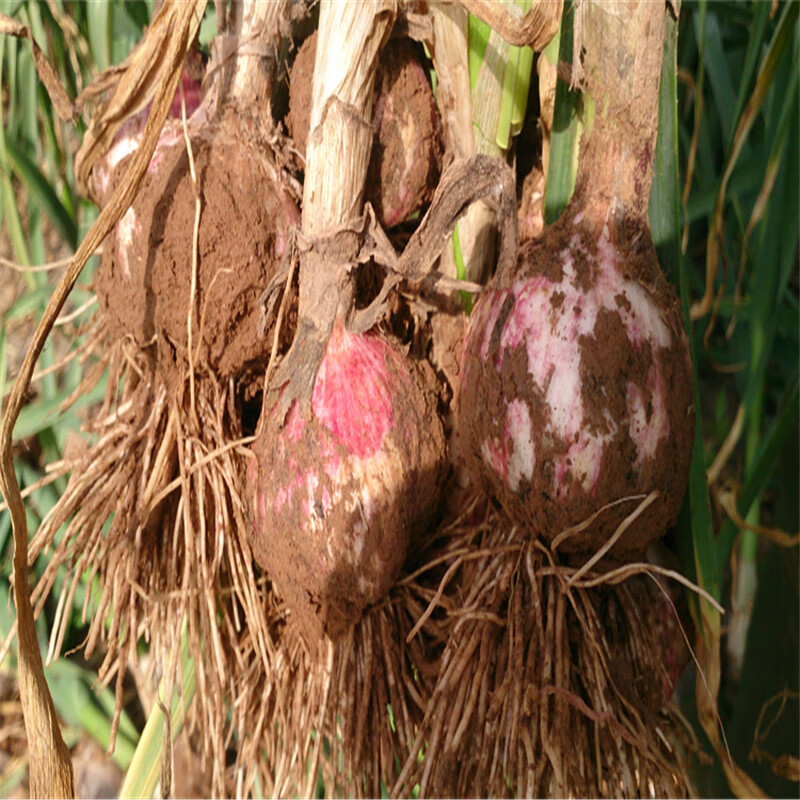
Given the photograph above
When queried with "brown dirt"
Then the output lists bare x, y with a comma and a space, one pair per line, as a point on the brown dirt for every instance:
407, 151
332, 527
144, 283
609, 363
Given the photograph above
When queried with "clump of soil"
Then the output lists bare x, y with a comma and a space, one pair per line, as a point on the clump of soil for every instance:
144, 284
339, 496
406, 154
576, 393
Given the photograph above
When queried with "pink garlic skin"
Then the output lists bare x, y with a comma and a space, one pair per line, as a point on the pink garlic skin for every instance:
553, 427
337, 498
129, 137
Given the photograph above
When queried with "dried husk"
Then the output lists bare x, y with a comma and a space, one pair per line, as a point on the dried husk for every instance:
351, 36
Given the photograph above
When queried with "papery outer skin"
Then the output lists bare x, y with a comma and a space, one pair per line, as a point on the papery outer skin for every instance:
533, 344
129, 137
340, 495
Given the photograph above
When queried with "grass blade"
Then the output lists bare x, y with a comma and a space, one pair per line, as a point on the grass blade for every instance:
755, 43
763, 467
782, 39
719, 76
42, 193
144, 771
43, 414
98, 18
664, 208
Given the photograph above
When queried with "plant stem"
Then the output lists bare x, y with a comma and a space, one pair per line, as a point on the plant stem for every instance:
624, 45
248, 55
351, 35
450, 53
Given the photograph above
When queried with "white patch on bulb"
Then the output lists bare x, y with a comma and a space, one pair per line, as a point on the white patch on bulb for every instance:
552, 338
522, 457
643, 320
491, 314
647, 434
359, 536
494, 457
128, 230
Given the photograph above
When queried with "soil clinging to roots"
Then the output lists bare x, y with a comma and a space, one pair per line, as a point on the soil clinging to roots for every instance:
545, 689
511, 681
154, 510
347, 712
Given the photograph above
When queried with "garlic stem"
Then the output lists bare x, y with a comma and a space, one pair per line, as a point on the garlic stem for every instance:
624, 46
248, 54
351, 36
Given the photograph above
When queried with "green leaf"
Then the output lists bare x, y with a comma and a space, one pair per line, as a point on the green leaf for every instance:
9, 201
664, 212
563, 167
42, 193
12, 121
41, 414
208, 27
719, 75
695, 531
763, 467
98, 18
144, 771
461, 270
78, 706
127, 32
755, 43
478, 33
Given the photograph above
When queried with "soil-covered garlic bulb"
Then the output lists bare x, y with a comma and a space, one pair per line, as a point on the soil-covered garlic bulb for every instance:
338, 497
576, 397
145, 282
147, 286
576, 388
406, 152
129, 137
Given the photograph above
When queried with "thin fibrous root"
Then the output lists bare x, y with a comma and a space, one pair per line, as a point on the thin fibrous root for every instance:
153, 509
545, 687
